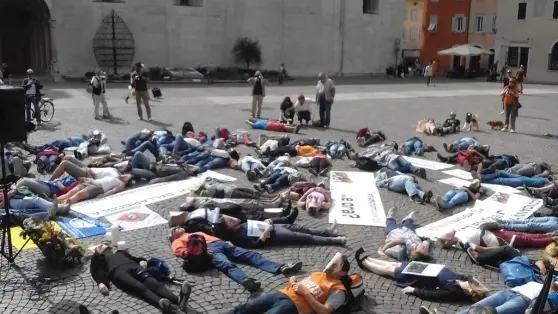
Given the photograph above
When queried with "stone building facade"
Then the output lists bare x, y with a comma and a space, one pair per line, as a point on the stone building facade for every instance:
335, 36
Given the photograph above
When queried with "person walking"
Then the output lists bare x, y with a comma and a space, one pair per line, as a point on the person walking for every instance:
6, 74
32, 87
325, 94
510, 98
258, 93
99, 84
136, 68
142, 94
520, 75
428, 73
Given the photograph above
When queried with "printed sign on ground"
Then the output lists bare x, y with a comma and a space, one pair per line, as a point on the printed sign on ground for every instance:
356, 199
498, 206
427, 164
82, 227
136, 218
459, 173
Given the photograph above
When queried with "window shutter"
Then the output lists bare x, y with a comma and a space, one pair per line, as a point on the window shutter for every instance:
465, 24
472, 23
454, 24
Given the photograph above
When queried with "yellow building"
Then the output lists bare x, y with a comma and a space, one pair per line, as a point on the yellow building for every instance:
412, 33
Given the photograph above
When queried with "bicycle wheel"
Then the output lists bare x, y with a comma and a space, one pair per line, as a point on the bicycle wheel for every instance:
46, 111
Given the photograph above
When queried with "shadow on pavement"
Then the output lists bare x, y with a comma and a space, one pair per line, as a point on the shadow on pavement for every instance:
160, 124
49, 126
117, 121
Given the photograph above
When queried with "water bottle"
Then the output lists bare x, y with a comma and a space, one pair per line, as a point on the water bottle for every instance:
115, 234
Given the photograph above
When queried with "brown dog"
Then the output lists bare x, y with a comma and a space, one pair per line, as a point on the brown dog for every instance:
495, 125
471, 122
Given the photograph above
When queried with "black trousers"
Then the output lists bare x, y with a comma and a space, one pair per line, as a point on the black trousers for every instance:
125, 278
319, 164
491, 165
304, 115
280, 152
496, 256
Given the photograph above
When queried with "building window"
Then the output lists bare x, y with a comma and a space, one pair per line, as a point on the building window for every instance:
414, 15
404, 33
370, 6
109, 1
189, 3
494, 29
521, 10
513, 57
459, 24
433, 24
555, 10
479, 24
553, 56
413, 34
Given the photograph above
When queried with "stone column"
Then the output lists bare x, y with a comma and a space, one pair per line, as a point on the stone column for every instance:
54, 68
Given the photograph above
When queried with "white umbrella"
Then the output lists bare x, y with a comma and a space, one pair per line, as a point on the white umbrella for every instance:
464, 51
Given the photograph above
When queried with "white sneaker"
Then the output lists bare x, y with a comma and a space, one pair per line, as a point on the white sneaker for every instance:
512, 131
502, 113
504, 129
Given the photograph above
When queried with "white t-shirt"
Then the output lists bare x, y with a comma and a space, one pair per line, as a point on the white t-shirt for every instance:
473, 236
192, 141
530, 290
32, 90
108, 183
220, 153
100, 173
303, 107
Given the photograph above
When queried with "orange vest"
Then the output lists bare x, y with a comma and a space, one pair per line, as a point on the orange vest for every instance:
319, 284
306, 150
510, 99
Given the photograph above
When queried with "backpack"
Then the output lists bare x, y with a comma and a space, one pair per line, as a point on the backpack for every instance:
357, 289
187, 127
197, 260
367, 164
519, 271
158, 269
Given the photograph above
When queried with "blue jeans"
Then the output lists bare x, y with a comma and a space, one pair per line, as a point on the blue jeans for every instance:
164, 149
513, 180
182, 147
273, 165
71, 142
225, 254
532, 225
196, 157
336, 150
402, 165
29, 207
454, 197
277, 180
141, 167
50, 160
413, 146
251, 166
212, 162
464, 143
147, 145
325, 111
273, 303
504, 302
391, 225
404, 183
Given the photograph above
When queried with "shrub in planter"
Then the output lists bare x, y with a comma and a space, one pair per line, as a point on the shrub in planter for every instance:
59, 248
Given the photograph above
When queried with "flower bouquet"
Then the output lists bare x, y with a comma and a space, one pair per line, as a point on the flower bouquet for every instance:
58, 247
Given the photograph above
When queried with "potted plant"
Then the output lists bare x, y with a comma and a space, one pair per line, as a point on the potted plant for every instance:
58, 247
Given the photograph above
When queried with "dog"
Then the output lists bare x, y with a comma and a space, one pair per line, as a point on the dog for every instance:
495, 125
471, 122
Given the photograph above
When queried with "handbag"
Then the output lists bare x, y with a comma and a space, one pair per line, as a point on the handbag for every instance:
89, 89
519, 271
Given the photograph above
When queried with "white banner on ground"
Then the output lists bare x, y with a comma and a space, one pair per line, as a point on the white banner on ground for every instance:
457, 182
427, 164
356, 199
136, 218
459, 173
498, 206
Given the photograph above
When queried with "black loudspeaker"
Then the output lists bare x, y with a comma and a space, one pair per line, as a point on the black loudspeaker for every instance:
157, 93
13, 127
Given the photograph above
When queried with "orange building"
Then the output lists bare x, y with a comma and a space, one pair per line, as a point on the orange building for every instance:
445, 24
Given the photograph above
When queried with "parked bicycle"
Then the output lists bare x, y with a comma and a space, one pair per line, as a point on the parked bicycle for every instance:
46, 110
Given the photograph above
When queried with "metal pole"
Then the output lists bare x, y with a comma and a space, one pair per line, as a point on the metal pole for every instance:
114, 64
7, 215
343, 5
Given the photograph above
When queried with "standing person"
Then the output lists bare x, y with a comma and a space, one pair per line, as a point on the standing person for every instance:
258, 93
6, 74
510, 98
325, 94
210, 72
99, 84
434, 72
32, 87
520, 75
506, 81
142, 94
428, 73
282, 74
135, 70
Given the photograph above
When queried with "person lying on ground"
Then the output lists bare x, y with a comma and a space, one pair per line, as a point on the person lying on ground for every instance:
287, 111
428, 127
266, 142
48, 189
141, 167
464, 144
252, 167
97, 188
157, 144
531, 169
278, 146
298, 189
414, 145
547, 225
276, 165
16, 165
32, 207
315, 200
302, 109
398, 182
387, 155
223, 255
519, 299
458, 196
206, 158
465, 158
228, 190
294, 149
491, 164
47, 160
321, 292
272, 125
77, 169
281, 178
448, 286
338, 149
127, 272
402, 243
192, 203
510, 179
364, 137
133, 142
476, 309
233, 230
318, 165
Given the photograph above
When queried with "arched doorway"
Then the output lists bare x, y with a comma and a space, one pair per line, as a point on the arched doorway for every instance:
25, 35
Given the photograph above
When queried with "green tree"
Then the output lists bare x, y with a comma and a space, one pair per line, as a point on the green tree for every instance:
247, 51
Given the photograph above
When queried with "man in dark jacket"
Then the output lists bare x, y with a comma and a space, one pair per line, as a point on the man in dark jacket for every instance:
32, 87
